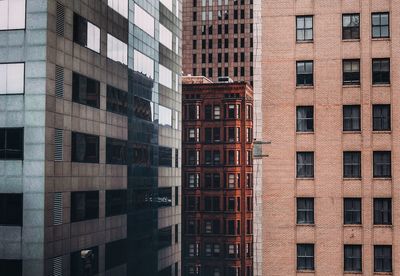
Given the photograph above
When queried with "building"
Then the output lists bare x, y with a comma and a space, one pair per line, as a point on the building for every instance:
90, 137
217, 178
331, 111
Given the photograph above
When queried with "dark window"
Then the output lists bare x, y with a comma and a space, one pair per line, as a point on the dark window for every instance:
11, 143
115, 202
351, 26
115, 254
352, 211
382, 211
207, 135
11, 210
305, 210
351, 118
304, 28
165, 157
382, 164
305, 164
380, 25
305, 257
352, 258
117, 100
80, 30
116, 151
383, 258
208, 112
305, 118
352, 164
85, 148
165, 272
85, 90
164, 237
305, 75
381, 71
164, 198
84, 205
10, 267
351, 71
381, 117
142, 109
84, 263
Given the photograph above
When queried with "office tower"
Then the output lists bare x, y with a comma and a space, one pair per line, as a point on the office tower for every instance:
217, 178
90, 137
331, 112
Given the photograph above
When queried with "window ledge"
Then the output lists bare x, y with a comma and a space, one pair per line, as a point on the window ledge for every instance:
383, 273
353, 272
305, 271
381, 85
353, 225
352, 178
304, 178
304, 86
351, 40
304, 41
306, 224
383, 225
304, 132
351, 85
380, 39
381, 132
351, 131
381, 178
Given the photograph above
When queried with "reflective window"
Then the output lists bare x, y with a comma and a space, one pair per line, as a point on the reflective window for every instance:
12, 14
305, 210
79, 264
10, 210
84, 205
165, 37
144, 20
143, 109
164, 198
86, 34
115, 151
117, 50
304, 72
351, 71
85, 148
165, 116
352, 258
305, 164
143, 64
164, 237
120, 6
11, 143
12, 78
115, 202
304, 28
351, 118
351, 26
305, 256
165, 157
10, 266
85, 90
117, 100
165, 76
116, 253
380, 25
167, 4
305, 118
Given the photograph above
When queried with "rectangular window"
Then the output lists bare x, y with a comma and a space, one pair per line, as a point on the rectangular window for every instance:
164, 116
117, 100
352, 258
351, 26
305, 73
381, 117
165, 156
11, 210
116, 151
305, 210
143, 109
117, 50
305, 256
352, 211
304, 28
382, 258
85, 148
143, 64
305, 164
11, 143
164, 237
165, 37
380, 25
10, 267
305, 118
351, 71
12, 14
120, 6
165, 76
84, 205
85, 90
86, 33
380, 71
79, 264
382, 211
116, 253
12, 77
351, 164
115, 202
143, 20
382, 164
351, 118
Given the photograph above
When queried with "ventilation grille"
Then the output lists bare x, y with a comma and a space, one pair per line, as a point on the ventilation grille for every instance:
58, 145
59, 82
60, 20
57, 266
58, 209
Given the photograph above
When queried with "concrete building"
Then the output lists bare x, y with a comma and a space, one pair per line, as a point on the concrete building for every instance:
217, 178
331, 111
90, 137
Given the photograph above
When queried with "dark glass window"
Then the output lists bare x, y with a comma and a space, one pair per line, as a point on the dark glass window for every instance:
115, 202
381, 71
352, 258
305, 73
84, 205
165, 157
115, 253
11, 210
142, 109
115, 151
381, 117
164, 237
117, 100
208, 112
305, 164
85, 148
84, 263
351, 71
383, 258
352, 211
305, 210
86, 34
85, 90
351, 118
380, 25
164, 198
305, 118
351, 26
10, 267
382, 164
382, 211
305, 256
11, 143
352, 164
304, 28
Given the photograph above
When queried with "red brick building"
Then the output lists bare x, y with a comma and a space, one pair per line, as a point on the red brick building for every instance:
217, 178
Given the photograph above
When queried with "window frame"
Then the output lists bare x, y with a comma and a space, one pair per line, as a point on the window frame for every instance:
16, 29
354, 262
354, 172
353, 80
382, 216
306, 77
350, 214
380, 26
382, 247
381, 118
381, 77
23, 78
304, 121
306, 256
308, 154
304, 29
351, 120
353, 36
307, 211
375, 156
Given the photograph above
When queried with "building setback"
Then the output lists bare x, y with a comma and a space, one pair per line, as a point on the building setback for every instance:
90, 137
217, 178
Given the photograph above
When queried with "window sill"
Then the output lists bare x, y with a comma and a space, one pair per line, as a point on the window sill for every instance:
352, 178
351, 85
304, 132
353, 225
383, 225
351, 131
304, 41
353, 272
305, 271
304, 178
351, 40
381, 85
380, 39
304, 86
383, 273
381, 178
306, 224
381, 132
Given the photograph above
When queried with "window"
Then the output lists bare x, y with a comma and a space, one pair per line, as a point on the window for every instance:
164, 156
351, 118
143, 64
305, 210
85, 148
305, 118
217, 112
383, 258
165, 37
351, 26
143, 109
117, 50
12, 14
352, 211
304, 28
143, 20
84, 205
11, 143
116, 151
120, 6
382, 211
381, 117
382, 164
352, 164
381, 71
164, 237
352, 258
193, 157
380, 25
351, 71
164, 116
85, 90
12, 77
86, 34
193, 180
305, 164
115, 202
8, 266
165, 76
304, 71
115, 253
11, 210
305, 256
117, 100
79, 264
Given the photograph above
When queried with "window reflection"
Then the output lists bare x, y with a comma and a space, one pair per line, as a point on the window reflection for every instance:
12, 14
86, 34
143, 64
120, 6
144, 20
117, 50
12, 78
165, 116
165, 37
167, 4
165, 76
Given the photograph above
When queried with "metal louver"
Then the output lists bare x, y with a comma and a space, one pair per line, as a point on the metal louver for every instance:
58, 209
59, 82
57, 266
58, 144
60, 19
